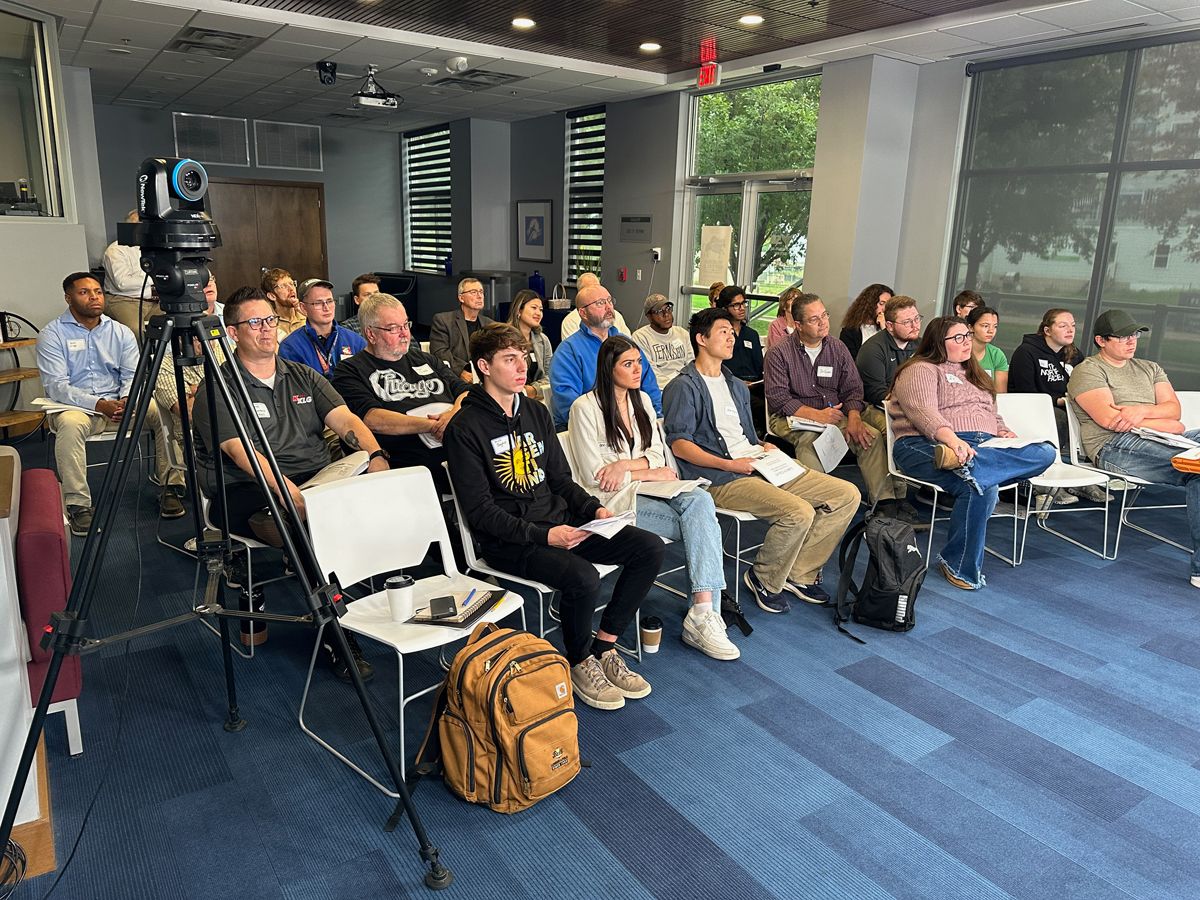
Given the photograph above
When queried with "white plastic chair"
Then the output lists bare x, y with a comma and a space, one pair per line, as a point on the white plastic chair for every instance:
1031, 416
1189, 408
375, 523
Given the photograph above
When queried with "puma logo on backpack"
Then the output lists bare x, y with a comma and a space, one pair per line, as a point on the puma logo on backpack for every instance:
505, 721
887, 597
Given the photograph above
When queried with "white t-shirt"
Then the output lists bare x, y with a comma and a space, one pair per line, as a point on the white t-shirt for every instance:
813, 352
726, 414
668, 353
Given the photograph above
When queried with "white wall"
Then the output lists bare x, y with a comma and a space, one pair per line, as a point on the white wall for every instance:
85, 160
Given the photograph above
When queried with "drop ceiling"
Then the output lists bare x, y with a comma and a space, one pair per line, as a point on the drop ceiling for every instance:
581, 52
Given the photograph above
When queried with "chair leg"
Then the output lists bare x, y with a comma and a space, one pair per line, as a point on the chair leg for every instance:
74, 731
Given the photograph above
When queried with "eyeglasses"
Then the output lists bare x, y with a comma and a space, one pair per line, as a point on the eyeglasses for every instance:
285, 284
406, 328
478, 291
815, 320
959, 338
741, 305
603, 301
907, 323
666, 307
322, 304
1128, 339
258, 323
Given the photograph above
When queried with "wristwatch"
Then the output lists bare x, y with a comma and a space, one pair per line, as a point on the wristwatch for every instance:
380, 453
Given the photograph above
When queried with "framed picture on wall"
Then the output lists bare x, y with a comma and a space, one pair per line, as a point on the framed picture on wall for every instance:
534, 230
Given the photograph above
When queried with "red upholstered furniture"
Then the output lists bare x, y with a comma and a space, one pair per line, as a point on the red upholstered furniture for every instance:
44, 582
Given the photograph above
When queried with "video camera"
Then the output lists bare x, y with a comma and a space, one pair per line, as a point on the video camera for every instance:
174, 231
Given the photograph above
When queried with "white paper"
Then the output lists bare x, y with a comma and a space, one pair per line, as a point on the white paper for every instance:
46, 405
1010, 443
799, 423
354, 464
778, 468
830, 446
429, 409
606, 528
1171, 440
666, 490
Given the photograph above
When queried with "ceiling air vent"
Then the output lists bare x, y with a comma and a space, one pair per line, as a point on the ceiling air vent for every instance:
475, 80
218, 140
213, 44
285, 145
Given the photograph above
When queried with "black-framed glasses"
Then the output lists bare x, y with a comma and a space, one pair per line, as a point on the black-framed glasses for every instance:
258, 323
1126, 339
666, 307
959, 338
323, 304
603, 301
740, 305
393, 329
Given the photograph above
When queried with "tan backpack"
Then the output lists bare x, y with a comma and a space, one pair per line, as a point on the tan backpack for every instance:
505, 719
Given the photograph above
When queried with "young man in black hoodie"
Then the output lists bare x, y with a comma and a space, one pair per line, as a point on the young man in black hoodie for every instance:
525, 509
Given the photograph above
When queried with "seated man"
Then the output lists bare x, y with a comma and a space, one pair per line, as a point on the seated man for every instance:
450, 332
747, 360
573, 369
882, 353
571, 322
390, 379
320, 343
509, 470
128, 291
294, 405
1114, 393
711, 433
811, 375
87, 360
666, 345
362, 287
280, 288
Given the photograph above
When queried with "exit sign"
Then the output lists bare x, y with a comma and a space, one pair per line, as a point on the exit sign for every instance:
709, 75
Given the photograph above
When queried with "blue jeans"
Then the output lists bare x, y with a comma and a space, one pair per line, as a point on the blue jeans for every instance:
1128, 454
691, 517
974, 488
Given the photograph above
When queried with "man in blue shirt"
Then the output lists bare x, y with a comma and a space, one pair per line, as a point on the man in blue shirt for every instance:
573, 369
87, 361
320, 343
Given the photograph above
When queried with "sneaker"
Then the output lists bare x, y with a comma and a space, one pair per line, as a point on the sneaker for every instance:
80, 519
954, 579
809, 593
593, 688
1006, 509
623, 678
169, 504
341, 669
731, 613
1093, 492
706, 632
1064, 498
766, 600
1196, 581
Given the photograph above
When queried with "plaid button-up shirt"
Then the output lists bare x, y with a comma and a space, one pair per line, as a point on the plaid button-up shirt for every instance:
792, 380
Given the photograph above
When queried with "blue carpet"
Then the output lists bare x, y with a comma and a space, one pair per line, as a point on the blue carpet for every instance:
1038, 739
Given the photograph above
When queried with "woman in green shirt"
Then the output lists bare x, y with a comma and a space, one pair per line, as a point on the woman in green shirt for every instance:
983, 321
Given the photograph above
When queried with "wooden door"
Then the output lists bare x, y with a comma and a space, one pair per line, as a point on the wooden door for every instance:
267, 224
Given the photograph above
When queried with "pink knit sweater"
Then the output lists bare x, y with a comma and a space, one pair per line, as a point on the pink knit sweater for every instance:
927, 397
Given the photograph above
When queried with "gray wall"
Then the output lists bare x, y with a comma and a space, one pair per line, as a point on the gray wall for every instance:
491, 213
538, 157
363, 224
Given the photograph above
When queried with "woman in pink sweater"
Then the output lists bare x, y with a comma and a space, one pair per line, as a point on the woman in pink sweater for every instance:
943, 407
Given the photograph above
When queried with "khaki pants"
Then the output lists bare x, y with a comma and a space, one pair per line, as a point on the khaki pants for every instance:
71, 431
131, 312
872, 461
808, 517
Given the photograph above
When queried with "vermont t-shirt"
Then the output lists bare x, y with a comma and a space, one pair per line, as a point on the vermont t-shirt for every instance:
1131, 383
725, 412
668, 353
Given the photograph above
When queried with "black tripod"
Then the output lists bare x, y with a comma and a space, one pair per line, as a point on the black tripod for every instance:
177, 329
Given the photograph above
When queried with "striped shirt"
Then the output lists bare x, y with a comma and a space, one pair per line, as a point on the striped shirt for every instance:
928, 397
792, 380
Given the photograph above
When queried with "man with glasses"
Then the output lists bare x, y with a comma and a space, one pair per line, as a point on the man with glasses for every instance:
573, 369
881, 354
280, 288
812, 376
747, 360
571, 323
391, 381
665, 344
450, 332
1114, 393
320, 343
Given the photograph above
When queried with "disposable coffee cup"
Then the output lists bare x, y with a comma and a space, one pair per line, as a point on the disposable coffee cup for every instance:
651, 634
400, 597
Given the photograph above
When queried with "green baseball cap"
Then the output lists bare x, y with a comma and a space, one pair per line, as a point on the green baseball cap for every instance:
1117, 323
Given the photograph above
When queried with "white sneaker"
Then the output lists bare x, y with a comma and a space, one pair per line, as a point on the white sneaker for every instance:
593, 688
1093, 492
706, 632
1196, 581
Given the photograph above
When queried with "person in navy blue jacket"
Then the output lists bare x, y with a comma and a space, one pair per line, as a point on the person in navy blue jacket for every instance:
320, 343
573, 369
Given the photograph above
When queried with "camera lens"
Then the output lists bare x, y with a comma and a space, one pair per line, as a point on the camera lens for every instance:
189, 180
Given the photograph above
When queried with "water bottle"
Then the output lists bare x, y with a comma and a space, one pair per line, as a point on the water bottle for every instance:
537, 283
449, 265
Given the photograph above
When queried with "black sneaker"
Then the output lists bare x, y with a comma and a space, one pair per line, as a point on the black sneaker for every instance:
235, 572
766, 600
340, 669
809, 593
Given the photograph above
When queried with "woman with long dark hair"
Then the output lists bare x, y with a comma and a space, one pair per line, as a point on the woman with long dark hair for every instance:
616, 447
943, 408
525, 315
983, 322
864, 318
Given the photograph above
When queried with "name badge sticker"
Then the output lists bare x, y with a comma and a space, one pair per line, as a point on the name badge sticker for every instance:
952, 378
76, 344
749, 344
262, 410
423, 369
731, 411
824, 371
501, 444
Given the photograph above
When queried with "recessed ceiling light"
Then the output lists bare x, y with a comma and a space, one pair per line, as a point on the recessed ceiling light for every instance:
751, 19
649, 47
170, 78
523, 22
120, 50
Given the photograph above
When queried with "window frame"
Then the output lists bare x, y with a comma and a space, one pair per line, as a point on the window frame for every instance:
591, 235
439, 239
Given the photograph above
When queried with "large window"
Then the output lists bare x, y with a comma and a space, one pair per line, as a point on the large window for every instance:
749, 189
29, 175
584, 194
1081, 189
427, 233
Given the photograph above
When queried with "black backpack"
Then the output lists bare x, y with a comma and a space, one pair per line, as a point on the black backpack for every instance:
887, 597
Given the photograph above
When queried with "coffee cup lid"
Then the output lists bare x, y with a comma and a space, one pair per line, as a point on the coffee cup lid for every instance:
398, 581
652, 622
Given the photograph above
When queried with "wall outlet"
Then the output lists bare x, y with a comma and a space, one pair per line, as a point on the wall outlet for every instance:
639, 274
656, 253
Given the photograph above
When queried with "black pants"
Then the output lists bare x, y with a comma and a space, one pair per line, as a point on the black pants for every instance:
243, 500
638, 552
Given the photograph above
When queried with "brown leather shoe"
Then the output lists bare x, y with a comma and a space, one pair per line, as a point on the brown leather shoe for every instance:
945, 458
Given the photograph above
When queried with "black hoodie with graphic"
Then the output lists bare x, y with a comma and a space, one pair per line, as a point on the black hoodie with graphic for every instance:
1036, 369
510, 474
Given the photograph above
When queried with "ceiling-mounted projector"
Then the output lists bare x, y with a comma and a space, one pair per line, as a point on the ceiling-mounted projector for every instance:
373, 95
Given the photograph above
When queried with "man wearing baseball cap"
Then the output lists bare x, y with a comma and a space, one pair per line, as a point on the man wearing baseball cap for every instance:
667, 346
320, 343
1116, 395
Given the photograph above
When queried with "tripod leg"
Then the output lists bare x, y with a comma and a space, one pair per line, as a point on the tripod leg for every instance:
234, 722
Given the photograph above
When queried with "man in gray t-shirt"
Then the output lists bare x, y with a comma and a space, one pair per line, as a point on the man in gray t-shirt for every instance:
1114, 393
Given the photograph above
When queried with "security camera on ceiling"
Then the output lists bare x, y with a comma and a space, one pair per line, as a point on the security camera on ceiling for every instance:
456, 64
327, 72
373, 95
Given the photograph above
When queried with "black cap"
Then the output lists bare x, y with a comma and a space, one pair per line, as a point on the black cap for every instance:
1117, 323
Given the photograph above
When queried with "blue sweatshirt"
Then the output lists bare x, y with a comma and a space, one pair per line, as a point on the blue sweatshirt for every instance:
323, 354
573, 374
